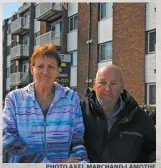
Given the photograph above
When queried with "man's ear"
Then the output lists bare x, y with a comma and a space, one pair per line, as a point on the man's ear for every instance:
94, 83
122, 87
122, 90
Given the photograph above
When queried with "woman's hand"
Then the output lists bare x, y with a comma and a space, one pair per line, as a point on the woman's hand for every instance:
72, 160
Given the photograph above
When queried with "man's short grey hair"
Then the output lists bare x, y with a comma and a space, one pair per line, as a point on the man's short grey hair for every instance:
111, 66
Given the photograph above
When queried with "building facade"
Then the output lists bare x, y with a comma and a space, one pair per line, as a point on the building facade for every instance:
93, 34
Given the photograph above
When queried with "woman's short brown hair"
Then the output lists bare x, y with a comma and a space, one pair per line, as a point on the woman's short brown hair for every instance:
47, 50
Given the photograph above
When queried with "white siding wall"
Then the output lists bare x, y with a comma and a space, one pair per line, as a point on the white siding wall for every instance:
150, 65
101, 64
105, 30
72, 40
36, 26
150, 59
72, 9
73, 76
150, 16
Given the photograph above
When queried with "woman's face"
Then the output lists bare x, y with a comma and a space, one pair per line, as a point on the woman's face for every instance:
45, 70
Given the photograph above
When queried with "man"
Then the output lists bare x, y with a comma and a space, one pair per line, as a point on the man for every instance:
117, 130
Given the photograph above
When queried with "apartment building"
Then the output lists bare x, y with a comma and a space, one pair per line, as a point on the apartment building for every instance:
123, 34
18, 47
93, 34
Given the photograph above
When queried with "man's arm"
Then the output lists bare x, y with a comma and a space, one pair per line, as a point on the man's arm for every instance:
151, 144
150, 139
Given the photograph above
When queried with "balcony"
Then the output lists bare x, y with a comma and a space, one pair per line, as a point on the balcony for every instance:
19, 78
20, 26
24, 7
19, 52
49, 37
48, 12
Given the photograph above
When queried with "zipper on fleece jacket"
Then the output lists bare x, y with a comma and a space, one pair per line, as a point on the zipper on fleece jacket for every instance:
45, 141
45, 135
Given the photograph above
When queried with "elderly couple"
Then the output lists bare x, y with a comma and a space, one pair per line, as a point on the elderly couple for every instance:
45, 122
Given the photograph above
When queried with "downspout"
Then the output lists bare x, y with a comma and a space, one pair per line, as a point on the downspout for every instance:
4, 57
31, 35
89, 44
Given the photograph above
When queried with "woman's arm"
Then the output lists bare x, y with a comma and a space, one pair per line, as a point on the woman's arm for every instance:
12, 143
77, 145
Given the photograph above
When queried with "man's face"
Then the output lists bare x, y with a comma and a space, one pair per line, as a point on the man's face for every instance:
108, 86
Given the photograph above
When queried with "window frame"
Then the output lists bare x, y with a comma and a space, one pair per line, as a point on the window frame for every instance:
151, 31
27, 67
25, 19
54, 4
101, 10
54, 34
71, 53
36, 34
148, 93
24, 45
74, 25
106, 10
108, 58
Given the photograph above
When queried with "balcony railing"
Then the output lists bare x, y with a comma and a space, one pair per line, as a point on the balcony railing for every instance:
19, 78
20, 25
19, 51
49, 37
45, 11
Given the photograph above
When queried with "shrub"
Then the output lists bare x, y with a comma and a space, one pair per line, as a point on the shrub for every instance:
151, 111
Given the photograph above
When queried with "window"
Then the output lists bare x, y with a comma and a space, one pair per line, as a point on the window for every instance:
56, 30
151, 41
105, 10
73, 22
36, 35
74, 56
25, 68
8, 72
105, 51
56, 4
102, 10
25, 20
151, 94
26, 43
76, 22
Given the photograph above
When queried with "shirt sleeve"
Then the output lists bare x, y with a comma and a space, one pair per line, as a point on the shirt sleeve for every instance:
77, 145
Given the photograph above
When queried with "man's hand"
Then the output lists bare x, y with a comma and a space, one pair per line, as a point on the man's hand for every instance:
72, 160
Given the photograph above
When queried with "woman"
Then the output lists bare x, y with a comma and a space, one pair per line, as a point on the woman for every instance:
42, 122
